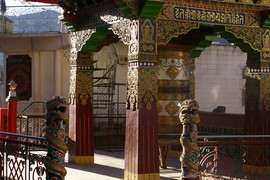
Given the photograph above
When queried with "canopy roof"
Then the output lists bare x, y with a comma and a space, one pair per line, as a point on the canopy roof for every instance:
45, 1
80, 3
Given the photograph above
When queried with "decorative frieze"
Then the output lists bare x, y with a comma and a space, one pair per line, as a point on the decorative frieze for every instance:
141, 86
225, 5
81, 78
250, 35
167, 29
209, 15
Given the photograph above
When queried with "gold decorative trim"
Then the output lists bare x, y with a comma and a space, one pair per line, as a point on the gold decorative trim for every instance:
229, 6
171, 108
132, 88
173, 54
78, 39
209, 13
122, 30
81, 72
159, 107
172, 97
174, 83
167, 29
148, 86
84, 86
147, 36
82, 160
133, 176
249, 2
266, 43
255, 170
250, 35
169, 120
265, 95
142, 86
172, 72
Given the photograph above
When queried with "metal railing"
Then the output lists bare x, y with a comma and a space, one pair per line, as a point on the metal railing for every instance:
20, 159
235, 157
110, 122
31, 120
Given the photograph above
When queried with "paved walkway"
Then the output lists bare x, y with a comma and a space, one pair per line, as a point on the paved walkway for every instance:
110, 166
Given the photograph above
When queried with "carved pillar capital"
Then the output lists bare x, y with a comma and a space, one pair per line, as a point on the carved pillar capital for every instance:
78, 39
139, 35
122, 30
79, 75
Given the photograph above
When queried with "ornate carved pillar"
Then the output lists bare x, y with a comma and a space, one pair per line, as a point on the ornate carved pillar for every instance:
81, 146
258, 89
141, 146
257, 115
265, 83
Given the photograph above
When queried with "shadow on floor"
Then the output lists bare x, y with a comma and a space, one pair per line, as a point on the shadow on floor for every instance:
109, 165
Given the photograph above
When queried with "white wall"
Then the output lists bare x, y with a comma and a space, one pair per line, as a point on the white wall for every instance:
50, 66
50, 77
218, 78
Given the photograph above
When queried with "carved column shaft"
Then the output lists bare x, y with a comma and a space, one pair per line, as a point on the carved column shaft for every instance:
81, 146
141, 146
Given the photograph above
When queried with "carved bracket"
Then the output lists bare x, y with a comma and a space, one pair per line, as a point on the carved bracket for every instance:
167, 29
78, 39
250, 35
122, 30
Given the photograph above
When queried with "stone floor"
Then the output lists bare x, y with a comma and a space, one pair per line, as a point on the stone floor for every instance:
109, 165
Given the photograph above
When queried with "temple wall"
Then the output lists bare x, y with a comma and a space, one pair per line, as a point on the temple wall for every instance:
218, 79
49, 67
218, 76
51, 75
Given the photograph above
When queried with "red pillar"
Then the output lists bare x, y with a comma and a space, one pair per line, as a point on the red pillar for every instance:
81, 144
3, 119
12, 107
141, 144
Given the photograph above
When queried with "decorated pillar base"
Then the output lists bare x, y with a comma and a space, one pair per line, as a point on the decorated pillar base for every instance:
132, 176
82, 160
141, 146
